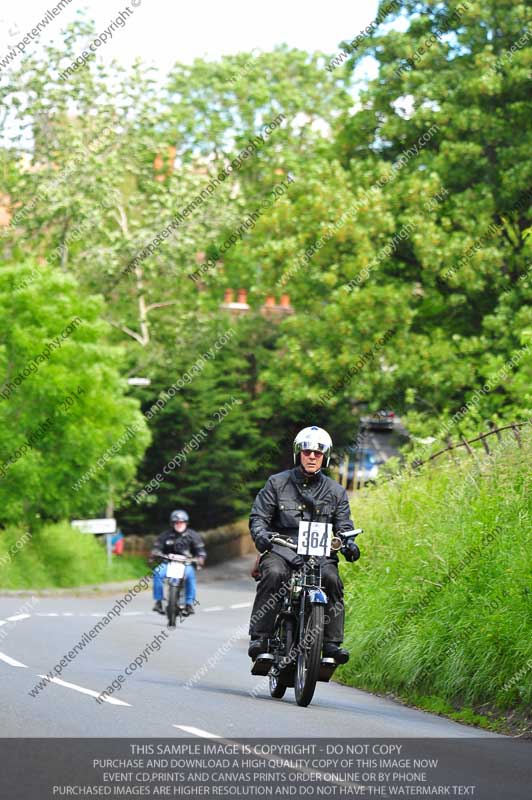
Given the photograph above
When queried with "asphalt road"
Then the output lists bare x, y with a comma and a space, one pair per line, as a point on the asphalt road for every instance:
197, 684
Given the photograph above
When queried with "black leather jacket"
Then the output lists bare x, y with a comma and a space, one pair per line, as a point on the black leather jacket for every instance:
288, 498
188, 543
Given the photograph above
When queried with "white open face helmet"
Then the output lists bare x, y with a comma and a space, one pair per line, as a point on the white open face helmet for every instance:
313, 438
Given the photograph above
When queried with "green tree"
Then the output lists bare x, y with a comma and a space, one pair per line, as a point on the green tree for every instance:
214, 440
398, 231
435, 160
62, 402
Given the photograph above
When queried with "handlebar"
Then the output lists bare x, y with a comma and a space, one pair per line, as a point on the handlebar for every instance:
338, 540
176, 557
276, 539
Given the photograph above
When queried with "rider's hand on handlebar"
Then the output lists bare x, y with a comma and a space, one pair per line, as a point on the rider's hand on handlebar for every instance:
350, 550
263, 542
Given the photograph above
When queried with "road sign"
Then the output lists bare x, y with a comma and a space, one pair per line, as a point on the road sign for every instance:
107, 525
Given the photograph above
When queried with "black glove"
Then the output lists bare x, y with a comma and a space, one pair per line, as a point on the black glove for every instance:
154, 558
263, 542
297, 562
351, 551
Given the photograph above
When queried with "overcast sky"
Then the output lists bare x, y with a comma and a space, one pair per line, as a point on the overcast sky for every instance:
162, 32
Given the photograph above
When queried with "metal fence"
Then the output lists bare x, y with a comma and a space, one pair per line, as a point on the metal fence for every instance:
494, 431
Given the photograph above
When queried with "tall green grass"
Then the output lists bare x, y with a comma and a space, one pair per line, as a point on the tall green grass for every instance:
59, 556
440, 604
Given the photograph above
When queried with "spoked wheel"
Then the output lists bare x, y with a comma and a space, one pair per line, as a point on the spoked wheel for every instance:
308, 659
171, 608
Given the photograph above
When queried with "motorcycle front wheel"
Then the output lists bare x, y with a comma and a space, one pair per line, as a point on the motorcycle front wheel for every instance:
171, 608
309, 656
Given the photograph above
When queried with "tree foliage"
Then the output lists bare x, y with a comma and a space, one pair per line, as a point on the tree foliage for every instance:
62, 401
393, 212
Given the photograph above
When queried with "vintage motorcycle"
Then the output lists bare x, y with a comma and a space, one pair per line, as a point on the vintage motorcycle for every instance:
175, 577
295, 658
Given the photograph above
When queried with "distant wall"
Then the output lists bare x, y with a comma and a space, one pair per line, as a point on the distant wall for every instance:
229, 541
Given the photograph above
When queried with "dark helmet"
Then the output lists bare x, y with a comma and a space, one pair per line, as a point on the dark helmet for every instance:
178, 516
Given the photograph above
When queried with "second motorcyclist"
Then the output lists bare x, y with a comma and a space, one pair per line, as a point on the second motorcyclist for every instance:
179, 539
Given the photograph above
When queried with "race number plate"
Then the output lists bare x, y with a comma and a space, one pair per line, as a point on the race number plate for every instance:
176, 569
314, 539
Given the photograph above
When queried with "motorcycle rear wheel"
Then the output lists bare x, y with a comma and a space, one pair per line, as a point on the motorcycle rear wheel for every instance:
278, 683
309, 656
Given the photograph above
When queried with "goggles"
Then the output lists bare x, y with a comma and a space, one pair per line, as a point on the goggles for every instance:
312, 445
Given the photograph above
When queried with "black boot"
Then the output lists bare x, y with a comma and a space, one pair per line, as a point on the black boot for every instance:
257, 647
158, 607
189, 610
333, 650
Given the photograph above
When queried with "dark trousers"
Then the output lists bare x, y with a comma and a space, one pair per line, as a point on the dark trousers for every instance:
272, 586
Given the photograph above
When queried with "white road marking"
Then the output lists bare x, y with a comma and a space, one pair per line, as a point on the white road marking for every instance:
84, 614
18, 616
197, 732
12, 662
82, 690
3, 622
124, 613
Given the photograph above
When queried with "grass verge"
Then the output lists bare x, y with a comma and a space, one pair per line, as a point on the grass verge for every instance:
59, 556
439, 608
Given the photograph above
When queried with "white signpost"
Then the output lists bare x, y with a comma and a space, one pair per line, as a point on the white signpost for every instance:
106, 525
139, 381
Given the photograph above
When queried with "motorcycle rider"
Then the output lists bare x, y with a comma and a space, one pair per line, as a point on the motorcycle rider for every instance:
179, 539
289, 497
